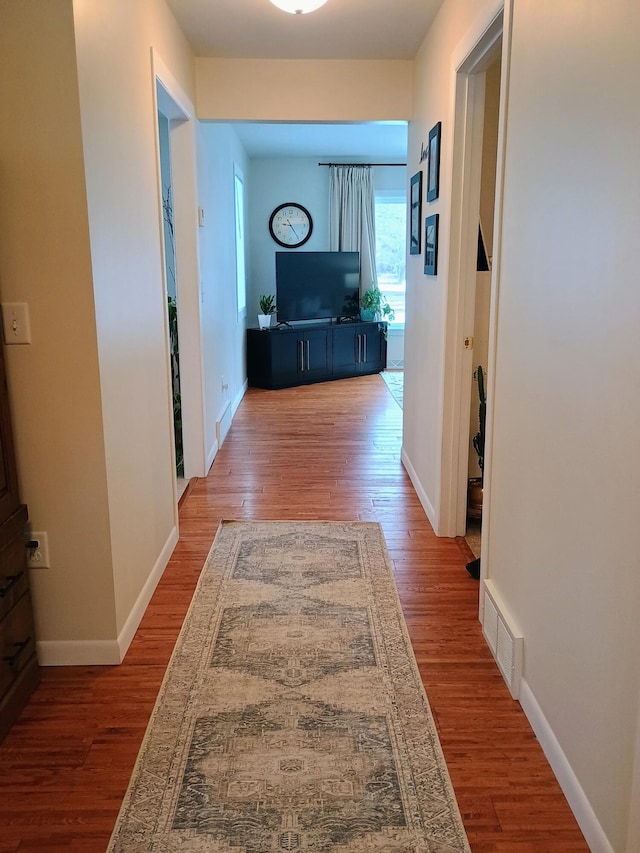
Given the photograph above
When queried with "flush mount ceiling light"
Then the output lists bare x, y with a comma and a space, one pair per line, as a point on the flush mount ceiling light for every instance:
298, 7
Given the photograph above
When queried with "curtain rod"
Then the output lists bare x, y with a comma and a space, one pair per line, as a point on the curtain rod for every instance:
362, 164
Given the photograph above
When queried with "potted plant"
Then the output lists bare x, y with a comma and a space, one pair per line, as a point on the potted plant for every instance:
375, 306
267, 308
475, 485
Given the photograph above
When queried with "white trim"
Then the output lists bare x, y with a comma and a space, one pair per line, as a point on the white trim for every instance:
470, 59
576, 797
238, 398
108, 652
496, 272
211, 455
633, 832
417, 485
78, 652
176, 102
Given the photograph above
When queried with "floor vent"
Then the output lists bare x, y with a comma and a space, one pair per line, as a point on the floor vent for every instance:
506, 643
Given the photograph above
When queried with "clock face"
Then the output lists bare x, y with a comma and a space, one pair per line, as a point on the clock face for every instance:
290, 225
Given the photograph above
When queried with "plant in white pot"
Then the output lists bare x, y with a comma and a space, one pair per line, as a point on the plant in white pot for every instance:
267, 308
375, 306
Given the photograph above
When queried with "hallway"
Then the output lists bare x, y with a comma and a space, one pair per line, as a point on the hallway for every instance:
327, 451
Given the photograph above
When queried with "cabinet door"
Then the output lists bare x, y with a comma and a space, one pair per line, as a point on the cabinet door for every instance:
345, 349
285, 358
373, 348
315, 353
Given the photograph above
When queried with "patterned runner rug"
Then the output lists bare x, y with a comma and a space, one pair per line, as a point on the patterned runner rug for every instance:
292, 716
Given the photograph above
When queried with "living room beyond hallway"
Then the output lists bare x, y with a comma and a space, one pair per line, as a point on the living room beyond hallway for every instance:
329, 451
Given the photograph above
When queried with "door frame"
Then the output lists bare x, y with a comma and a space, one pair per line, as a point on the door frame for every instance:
469, 66
171, 100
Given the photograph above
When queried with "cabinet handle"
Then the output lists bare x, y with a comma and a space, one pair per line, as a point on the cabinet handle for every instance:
364, 347
359, 349
308, 360
13, 580
20, 647
301, 354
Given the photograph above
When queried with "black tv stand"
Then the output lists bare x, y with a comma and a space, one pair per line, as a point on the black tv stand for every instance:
283, 323
316, 352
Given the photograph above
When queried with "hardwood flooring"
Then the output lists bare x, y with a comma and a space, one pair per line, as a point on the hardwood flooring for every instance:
328, 451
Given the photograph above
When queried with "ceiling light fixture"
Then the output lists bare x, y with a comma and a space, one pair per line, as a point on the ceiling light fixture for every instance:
298, 7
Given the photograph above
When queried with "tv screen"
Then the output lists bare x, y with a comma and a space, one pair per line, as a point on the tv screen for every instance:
317, 285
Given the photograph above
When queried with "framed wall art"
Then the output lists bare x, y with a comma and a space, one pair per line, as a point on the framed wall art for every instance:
415, 212
433, 167
431, 245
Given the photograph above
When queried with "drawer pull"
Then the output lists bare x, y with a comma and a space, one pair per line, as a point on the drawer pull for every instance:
19, 648
13, 580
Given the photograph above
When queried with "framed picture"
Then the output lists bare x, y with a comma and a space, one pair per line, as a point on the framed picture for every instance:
431, 245
415, 241
433, 168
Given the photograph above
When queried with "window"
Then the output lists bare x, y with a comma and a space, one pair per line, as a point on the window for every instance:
391, 247
241, 283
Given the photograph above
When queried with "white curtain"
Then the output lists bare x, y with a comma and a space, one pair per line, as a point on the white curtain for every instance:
352, 222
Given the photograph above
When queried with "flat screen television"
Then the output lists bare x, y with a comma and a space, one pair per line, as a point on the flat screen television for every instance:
317, 285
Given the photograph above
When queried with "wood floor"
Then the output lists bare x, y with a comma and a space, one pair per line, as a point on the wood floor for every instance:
329, 451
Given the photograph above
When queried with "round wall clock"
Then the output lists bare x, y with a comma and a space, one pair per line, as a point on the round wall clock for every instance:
290, 225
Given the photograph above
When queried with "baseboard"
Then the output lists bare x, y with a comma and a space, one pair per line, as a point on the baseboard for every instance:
223, 423
417, 485
108, 652
211, 455
78, 652
137, 612
576, 797
238, 398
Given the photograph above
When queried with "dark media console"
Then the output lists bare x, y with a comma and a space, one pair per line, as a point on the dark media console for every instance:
286, 356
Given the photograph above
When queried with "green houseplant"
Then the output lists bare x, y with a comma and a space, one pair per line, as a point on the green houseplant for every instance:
267, 302
375, 306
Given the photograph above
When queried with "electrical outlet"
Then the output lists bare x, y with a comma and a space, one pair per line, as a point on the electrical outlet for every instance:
38, 555
15, 323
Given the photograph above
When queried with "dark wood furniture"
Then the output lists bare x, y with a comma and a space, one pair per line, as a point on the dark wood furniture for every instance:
19, 673
282, 357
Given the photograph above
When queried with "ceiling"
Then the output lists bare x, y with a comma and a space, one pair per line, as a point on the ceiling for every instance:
342, 29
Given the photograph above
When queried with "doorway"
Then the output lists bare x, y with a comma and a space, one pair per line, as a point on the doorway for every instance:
166, 190
481, 82
177, 201
482, 304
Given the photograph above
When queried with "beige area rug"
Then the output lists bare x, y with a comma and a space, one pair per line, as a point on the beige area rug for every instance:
395, 383
292, 716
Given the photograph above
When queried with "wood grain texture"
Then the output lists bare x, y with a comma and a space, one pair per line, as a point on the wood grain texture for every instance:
328, 451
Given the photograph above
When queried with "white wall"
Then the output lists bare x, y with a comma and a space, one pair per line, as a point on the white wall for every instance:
119, 127
564, 491
275, 181
223, 331
316, 90
45, 261
567, 407
427, 296
81, 244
